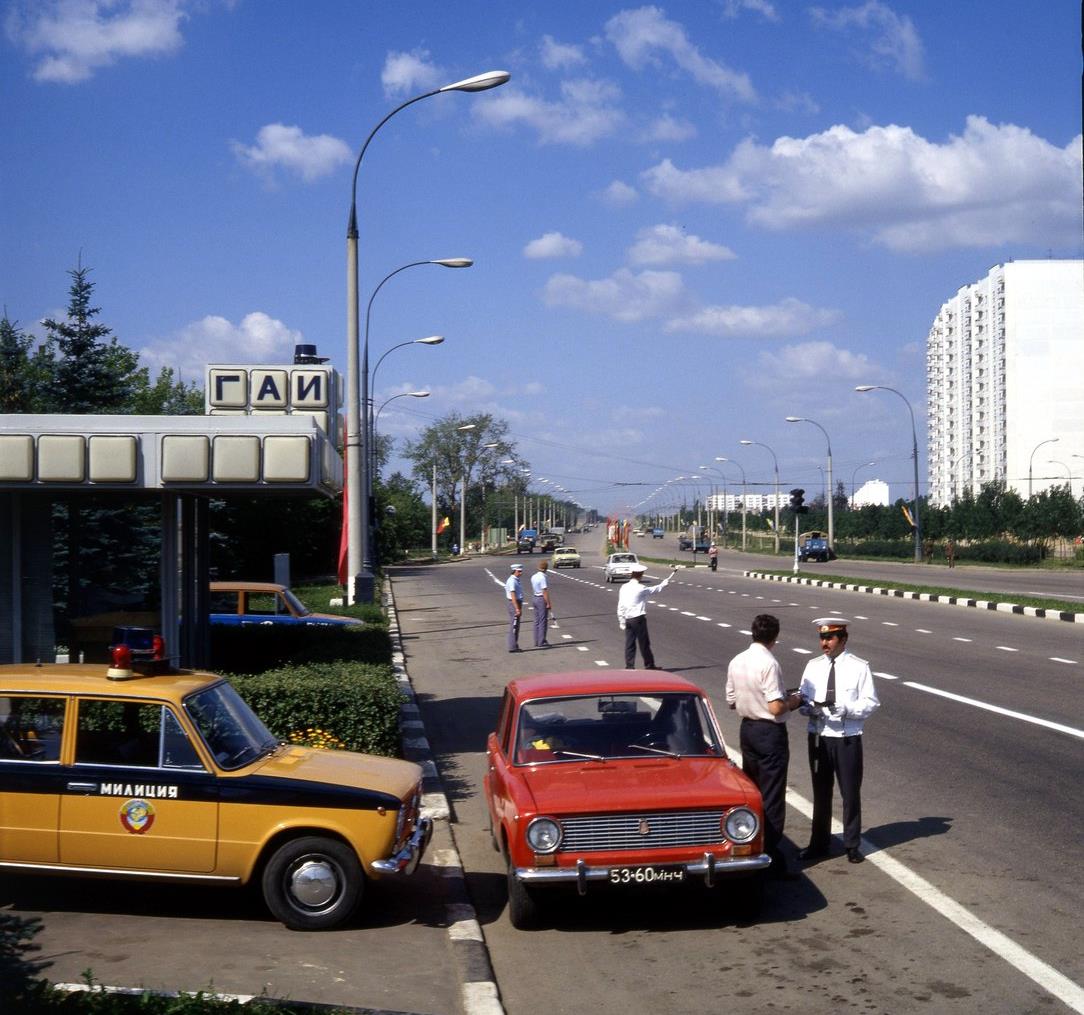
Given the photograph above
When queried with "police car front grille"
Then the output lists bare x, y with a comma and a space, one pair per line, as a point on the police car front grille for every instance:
641, 831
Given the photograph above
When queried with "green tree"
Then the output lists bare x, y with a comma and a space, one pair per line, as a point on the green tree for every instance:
24, 371
166, 396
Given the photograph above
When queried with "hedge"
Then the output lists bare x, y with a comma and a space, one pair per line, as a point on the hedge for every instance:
254, 648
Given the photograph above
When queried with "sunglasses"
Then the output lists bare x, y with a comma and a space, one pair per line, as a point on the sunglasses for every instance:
829, 635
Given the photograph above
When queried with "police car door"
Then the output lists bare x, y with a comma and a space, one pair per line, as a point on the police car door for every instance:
138, 796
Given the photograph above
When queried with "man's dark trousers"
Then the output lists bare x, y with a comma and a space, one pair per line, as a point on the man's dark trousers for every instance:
636, 634
831, 759
765, 752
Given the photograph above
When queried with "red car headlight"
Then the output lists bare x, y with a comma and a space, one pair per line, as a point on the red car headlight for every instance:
544, 835
740, 825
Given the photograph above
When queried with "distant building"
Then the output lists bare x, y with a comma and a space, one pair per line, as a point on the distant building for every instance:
873, 491
1004, 376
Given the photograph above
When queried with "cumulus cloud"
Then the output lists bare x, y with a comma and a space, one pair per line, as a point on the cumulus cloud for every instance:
72, 39
786, 318
618, 194
668, 244
625, 295
586, 111
806, 362
892, 39
289, 148
667, 128
552, 245
407, 73
259, 338
734, 8
991, 185
642, 35
558, 55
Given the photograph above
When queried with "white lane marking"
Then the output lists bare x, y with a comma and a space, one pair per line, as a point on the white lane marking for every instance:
567, 637
858, 616
1058, 659
703, 618
743, 631
961, 639
922, 630
986, 706
721, 624
687, 613
1005, 648
581, 648
803, 651
601, 662
889, 623
1046, 976
886, 676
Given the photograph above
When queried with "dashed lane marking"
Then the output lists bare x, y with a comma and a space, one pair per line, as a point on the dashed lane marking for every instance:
987, 707
957, 638
1058, 659
601, 662
1006, 648
885, 676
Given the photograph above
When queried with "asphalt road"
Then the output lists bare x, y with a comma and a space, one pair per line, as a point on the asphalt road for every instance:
972, 815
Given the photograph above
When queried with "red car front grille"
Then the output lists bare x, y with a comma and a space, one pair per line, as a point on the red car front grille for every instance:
615, 832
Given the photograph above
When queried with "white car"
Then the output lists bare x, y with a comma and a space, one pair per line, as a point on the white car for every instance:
619, 566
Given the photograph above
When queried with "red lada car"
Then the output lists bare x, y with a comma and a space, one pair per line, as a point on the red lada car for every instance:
622, 779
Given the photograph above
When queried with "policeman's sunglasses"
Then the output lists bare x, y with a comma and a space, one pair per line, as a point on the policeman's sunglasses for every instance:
828, 635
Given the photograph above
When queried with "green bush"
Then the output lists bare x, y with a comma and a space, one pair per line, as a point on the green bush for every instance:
356, 703
253, 648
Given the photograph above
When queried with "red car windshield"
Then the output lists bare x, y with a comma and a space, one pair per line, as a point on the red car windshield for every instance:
601, 727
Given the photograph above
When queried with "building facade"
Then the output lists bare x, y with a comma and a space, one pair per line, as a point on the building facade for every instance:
1004, 369
873, 491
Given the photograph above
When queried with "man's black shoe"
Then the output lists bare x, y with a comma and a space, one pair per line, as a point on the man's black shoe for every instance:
652, 667
853, 856
813, 853
515, 650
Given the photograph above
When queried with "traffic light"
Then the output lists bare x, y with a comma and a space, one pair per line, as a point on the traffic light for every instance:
797, 501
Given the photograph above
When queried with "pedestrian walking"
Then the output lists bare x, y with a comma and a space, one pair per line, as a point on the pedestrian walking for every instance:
513, 594
632, 615
540, 587
838, 696
950, 553
755, 690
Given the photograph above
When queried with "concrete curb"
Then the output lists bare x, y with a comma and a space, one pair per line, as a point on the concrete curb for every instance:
478, 985
925, 597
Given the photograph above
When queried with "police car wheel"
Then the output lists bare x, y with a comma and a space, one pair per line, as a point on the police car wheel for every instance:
313, 883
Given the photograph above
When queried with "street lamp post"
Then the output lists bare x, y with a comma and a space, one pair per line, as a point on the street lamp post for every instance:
463, 494
864, 465
372, 445
776, 464
831, 492
738, 464
1050, 440
914, 455
360, 580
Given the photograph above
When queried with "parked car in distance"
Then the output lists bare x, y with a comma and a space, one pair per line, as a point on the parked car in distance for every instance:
566, 556
619, 566
657, 533
138, 771
238, 603
619, 780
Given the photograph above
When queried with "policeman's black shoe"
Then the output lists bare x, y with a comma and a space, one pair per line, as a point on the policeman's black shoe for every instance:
515, 650
652, 667
811, 853
853, 856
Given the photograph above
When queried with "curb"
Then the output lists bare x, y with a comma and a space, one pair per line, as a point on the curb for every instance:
478, 984
926, 597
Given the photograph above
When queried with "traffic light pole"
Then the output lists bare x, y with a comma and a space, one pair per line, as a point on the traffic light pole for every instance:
796, 544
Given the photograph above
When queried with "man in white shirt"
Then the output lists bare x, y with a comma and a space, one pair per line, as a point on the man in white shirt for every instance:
754, 689
513, 594
540, 587
632, 615
838, 696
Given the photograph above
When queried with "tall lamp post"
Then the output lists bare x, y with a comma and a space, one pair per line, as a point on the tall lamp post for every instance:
914, 455
1050, 440
463, 493
864, 465
360, 582
719, 458
831, 492
775, 461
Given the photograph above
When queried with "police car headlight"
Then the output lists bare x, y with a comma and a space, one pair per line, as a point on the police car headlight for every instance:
543, 835
740, 824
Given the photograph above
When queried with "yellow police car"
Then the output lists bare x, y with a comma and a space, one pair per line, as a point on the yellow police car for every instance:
164, 774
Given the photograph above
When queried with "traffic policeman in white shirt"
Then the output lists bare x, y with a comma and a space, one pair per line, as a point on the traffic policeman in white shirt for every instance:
540, 588
513, 594
632, 615
838, 696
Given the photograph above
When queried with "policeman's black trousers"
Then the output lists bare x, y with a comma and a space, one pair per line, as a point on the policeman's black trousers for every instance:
836, 759
636, 634
765, 752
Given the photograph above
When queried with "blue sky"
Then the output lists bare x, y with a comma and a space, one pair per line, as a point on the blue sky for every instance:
689, 220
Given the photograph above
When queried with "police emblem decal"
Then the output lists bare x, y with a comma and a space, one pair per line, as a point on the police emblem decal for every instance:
645, 828
136, 816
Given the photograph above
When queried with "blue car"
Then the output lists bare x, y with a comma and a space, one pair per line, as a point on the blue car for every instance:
242, 603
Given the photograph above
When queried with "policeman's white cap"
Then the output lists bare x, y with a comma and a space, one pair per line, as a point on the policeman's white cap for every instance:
826, 625
638, 569
517, 567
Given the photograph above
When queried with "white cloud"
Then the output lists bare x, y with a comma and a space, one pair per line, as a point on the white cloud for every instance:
406, 73
734, 8
668, 244
893, 39
992, 185
558, 55
259, 338
618, 194
788, 317
75, 38
666, 128
586, 111
552, 245
639, 35
624, 296
813, 361
277, 145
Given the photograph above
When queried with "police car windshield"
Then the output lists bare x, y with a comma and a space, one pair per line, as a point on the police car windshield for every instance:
232, 732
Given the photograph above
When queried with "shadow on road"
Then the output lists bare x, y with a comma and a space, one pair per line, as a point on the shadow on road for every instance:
897, 832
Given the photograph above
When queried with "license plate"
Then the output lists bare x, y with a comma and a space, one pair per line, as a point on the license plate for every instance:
645, 875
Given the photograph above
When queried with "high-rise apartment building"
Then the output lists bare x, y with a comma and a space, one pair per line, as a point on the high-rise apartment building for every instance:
1005, 381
